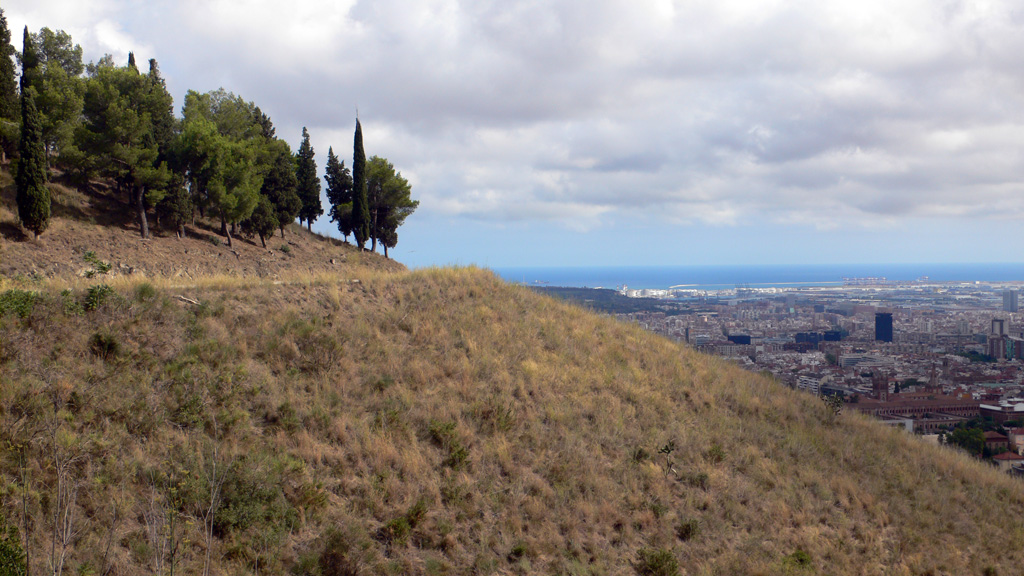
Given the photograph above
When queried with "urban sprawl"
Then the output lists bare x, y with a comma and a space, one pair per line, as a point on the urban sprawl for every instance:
922, 355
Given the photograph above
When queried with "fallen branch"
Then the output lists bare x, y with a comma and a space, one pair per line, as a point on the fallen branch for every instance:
189, 300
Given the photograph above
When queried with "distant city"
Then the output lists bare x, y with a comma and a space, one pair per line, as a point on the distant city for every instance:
917, 354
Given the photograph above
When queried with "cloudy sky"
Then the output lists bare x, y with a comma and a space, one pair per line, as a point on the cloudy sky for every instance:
571, 132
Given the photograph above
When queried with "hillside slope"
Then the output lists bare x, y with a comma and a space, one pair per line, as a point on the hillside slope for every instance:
444, 422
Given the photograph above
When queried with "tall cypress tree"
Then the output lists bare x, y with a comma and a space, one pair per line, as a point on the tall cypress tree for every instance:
9, 107
360, 206
29, 63
33, 198
308, 185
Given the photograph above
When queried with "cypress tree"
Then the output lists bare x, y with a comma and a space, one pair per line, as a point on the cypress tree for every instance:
29, 63
308, 183
360, 206
33, 198
9, 107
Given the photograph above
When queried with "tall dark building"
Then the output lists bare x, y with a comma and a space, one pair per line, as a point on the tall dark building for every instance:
883, 326
1010, 301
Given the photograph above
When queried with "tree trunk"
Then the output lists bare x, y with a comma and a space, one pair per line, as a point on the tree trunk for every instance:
138, 193
385, 250
263, 241
223, 226
373, 244
282, 230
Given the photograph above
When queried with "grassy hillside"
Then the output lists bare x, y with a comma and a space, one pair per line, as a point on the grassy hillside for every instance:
444, 422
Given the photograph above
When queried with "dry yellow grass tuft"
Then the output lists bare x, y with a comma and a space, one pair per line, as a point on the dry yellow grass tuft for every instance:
444, 422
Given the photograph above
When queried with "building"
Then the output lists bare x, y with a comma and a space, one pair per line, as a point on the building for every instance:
883, 326
1010, 301
1008, 460
994, 441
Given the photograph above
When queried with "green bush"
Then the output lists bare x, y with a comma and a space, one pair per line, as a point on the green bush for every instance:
98, 266
70, 304
798, 559
443, 433
144, 291
95, 296
19, 302
655, 563
12, 556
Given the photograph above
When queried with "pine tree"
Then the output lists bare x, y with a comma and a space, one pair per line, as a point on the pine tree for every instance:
10, 113
308, 184
32, 196
339, 193
360, 207
262, 222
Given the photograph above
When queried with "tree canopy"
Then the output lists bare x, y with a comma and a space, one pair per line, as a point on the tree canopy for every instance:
221, 158
308, 183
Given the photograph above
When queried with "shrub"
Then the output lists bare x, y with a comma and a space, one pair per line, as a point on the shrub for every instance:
19, 302
12, 557
715, 454
70, 305
687, 529
286, 248
655, 563
104, 346
798, 559
98, 266
337, 558
144, 291
95, 296
443, 433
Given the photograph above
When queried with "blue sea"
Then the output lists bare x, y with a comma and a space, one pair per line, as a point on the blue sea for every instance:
727, 277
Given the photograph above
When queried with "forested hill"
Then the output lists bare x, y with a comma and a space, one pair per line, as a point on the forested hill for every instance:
222, 158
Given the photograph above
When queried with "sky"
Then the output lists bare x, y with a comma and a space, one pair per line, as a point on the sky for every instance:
615, 132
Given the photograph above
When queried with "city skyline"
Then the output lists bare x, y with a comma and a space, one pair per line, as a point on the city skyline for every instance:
615, 133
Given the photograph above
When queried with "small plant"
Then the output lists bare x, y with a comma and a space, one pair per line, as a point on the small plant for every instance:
651, 562
144, 291
798, 559
695, 480
12, 556
19, 302
517, 552
214, 240
687, 529
286, 249
70, 304
715, 454
95, 296
98, 266
834, 402
443, 433
104, 346
639, 455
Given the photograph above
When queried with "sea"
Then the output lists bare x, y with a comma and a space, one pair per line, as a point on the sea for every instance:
778, 276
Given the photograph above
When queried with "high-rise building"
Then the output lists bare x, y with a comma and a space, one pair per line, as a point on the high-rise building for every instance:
1010, 301
883, 326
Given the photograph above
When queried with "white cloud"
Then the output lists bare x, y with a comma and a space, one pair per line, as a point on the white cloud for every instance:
814, 113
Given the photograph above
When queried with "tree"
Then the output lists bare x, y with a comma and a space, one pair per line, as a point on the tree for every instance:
388, 196
56, 70
33, 198
279, 183
118, 135
360, 208
10, 108
262, 222
970, 439
308, 183
219, 147
339, 193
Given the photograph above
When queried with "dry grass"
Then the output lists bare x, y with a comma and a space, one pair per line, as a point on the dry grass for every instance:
442, 421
